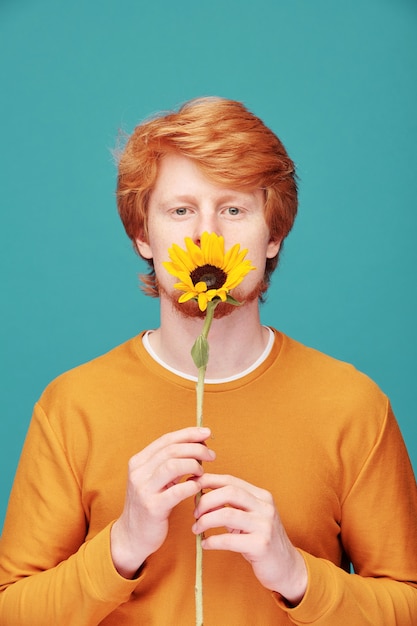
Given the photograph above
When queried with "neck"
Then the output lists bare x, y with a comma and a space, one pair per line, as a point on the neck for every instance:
235, 341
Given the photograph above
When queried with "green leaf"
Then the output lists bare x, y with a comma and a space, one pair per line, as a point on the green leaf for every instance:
231, 300
200, 351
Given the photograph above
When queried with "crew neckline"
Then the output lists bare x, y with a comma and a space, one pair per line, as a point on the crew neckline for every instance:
210, 381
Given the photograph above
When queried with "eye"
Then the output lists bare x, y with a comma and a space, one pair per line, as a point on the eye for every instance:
181, 211
233, 210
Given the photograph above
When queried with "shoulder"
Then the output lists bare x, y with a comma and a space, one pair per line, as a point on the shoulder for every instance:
95, 375
326, 380
340, 410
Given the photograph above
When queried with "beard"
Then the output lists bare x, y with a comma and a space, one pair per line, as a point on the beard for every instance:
191, 309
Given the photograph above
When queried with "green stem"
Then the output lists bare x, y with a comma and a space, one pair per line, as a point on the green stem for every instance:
202, 369
209, 317
200, 397
199, 537
200, 394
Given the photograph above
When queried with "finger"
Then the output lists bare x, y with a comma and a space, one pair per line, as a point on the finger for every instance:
225, 497
191, 434
177, 493
226, 517
172, 472
217, 481
198, 451
165, 466
232, 542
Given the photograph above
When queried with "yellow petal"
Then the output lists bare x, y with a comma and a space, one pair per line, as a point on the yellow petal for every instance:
215, 250
235, 259
186, 279
195, 252
236, 276
211, 293
169, 267
181, 258
185, 297
200, 287
230, 256
202, 301
184, 287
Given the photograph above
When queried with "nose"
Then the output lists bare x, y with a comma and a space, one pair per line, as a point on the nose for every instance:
206, 222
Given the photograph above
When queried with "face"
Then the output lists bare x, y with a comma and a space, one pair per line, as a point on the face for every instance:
185, 203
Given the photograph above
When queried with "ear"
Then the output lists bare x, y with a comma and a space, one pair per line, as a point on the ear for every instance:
143, 247
273, 248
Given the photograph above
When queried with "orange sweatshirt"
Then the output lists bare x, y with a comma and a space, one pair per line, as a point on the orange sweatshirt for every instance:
313, 431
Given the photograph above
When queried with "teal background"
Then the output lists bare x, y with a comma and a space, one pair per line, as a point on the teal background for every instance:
336, 81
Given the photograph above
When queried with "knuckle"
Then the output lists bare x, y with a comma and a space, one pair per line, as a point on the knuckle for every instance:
270, 510
230, 492
266, 497
228, 514
171, 466
262, 543
131, 464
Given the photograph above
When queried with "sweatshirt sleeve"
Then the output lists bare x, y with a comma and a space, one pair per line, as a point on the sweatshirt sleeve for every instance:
49, 573
379, 533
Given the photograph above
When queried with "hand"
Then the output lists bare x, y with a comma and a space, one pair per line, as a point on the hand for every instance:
154, 488
254, 529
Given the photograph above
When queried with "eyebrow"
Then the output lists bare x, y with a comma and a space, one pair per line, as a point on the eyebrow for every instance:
228, 196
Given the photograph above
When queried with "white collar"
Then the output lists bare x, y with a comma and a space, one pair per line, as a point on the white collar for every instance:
210, 381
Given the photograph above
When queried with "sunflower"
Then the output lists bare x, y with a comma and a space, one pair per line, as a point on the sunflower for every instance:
206, 272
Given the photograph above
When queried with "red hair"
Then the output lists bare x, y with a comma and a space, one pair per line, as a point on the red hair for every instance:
229, 144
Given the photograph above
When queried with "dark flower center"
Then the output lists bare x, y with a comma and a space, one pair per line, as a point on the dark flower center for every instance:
213, 276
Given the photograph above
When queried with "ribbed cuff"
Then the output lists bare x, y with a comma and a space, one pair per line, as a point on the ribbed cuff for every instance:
319, 594
105, 581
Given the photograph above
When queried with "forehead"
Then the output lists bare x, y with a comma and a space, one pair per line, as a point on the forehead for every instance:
180, 177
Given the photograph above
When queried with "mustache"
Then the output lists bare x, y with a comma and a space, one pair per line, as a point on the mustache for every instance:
191, 310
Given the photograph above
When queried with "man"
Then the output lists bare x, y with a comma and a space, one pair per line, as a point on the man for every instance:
301, 463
